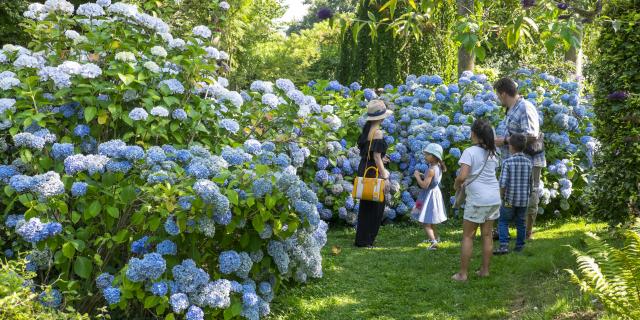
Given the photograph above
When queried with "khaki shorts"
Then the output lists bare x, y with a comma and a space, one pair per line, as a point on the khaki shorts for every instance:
481, 214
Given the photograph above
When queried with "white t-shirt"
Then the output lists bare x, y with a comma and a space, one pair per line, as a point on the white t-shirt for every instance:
485, 190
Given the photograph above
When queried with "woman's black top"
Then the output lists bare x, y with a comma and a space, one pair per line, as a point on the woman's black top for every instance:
378, 145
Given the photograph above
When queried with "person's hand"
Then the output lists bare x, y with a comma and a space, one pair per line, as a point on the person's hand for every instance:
416, 174
386, 159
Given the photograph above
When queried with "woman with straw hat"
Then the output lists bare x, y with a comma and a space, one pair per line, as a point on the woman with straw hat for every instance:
373, 149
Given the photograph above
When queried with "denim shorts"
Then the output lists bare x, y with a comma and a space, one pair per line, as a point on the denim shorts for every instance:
480, 214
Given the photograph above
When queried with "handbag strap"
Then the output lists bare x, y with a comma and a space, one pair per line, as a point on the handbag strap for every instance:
481, 169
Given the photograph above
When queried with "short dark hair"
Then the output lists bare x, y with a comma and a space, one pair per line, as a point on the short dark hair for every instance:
518, 141
506, 85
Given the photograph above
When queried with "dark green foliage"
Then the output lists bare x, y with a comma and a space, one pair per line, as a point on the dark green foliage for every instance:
615, 190
10, 17
388, 59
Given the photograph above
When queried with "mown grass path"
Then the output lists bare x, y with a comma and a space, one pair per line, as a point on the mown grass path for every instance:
400, 279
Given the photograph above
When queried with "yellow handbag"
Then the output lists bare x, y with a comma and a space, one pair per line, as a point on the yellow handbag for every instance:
370, 189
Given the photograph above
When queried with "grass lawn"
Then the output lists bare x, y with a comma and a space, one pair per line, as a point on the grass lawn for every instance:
402, 280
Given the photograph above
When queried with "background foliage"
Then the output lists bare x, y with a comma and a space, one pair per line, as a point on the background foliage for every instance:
615, 73
379, 58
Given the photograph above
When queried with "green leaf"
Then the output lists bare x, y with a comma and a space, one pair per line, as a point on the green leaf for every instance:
170, 316
257, 223
261, 169
121, 236
90, 113
93, 210
78, 244
126, 79
83, 267
150, 302
75, 217
233, 311
62, 207
68, 250
127, 194
113, 211
233, 196
271, 202
171, 100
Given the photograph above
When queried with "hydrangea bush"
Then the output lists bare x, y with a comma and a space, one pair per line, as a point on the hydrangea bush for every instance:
428, 110
133, 176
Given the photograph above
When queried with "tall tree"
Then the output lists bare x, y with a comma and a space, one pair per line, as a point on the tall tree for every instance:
466, 58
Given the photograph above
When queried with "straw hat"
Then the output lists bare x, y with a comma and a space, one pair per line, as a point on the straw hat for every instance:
433, 149
377, 110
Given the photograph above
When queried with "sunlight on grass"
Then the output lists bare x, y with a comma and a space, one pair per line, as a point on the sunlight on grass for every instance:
401, 279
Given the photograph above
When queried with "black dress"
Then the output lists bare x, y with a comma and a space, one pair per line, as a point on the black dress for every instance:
370, 213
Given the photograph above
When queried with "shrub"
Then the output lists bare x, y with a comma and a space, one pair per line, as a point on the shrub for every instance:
615, 191
128, 169
19, 300
427, 109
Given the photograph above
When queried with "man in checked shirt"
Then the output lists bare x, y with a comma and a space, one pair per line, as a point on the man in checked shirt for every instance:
522, 117
515, 187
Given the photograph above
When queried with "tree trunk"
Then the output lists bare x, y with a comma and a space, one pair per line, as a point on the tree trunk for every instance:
466, 60
575, 55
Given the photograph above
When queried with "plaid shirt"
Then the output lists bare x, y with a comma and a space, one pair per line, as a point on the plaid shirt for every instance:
516, 180
523, 118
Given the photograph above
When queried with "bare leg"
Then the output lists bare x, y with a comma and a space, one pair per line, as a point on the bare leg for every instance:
429, 230
468, 233
486, 230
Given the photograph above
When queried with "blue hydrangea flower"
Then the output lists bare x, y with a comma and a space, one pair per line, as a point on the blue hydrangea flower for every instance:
159, 288
60, 151
173, 84
79, 189
230, 125
185, 202
112, 295
179, 114
81, 130
194, 313
138, 114
261, 187
150, 267
167, 247
229, 261
179, 302
104, 280
252, 146
171, 227
140, 246
188, 276
51, 299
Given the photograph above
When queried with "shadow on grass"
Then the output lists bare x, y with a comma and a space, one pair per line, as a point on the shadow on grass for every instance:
401, 280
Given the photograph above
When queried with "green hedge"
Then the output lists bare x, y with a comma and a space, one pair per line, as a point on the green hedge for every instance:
615, 190
10, 17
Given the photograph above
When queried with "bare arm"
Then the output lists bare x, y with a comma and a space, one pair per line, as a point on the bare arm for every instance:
465, 169
381, 170
424, 183
377, 157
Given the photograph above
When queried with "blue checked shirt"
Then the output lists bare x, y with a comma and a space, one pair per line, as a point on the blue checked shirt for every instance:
523, 118
516, 180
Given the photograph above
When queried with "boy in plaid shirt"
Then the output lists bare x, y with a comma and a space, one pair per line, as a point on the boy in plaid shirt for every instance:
515, 188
